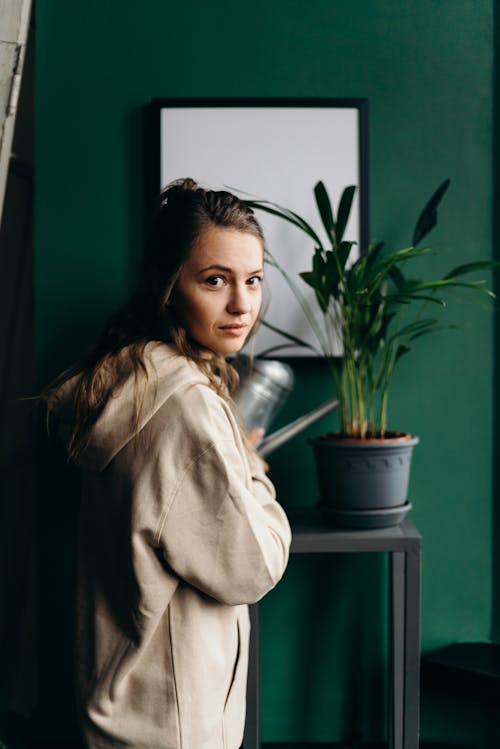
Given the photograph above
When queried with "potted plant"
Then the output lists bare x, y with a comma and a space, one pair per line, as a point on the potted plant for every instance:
363, 470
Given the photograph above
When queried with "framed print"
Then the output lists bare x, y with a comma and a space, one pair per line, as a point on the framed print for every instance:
277, 150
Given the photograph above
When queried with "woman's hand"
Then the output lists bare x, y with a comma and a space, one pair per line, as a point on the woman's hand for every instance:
254, 436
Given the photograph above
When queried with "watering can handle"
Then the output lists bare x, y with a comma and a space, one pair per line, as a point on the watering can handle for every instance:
268, 444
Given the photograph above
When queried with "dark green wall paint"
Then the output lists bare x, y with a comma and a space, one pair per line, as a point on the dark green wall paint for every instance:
426, 68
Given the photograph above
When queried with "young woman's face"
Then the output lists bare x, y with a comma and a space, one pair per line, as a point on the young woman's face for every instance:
219, 292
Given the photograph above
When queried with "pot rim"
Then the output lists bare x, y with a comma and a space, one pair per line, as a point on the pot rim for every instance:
404, 439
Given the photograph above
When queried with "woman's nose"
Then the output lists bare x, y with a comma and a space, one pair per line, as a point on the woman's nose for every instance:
239, 300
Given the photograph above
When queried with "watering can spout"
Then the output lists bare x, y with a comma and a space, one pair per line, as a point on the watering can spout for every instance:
264, 386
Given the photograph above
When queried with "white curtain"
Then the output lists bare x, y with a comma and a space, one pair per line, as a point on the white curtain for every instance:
17, 428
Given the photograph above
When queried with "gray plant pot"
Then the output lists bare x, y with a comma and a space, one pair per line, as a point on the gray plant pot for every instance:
363, 483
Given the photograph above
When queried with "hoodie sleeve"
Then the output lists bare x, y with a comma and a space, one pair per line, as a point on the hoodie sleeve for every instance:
223, 531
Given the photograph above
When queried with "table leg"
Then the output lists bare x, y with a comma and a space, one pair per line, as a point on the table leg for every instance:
412, 648
397, 653
251, 739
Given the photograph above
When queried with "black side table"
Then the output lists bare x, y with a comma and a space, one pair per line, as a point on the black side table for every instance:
403, 544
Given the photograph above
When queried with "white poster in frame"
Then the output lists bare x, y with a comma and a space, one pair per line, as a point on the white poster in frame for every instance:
275, 150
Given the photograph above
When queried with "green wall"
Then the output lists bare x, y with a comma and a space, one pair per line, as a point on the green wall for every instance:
426, 67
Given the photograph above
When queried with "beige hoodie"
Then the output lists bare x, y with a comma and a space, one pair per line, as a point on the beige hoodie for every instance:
179, 531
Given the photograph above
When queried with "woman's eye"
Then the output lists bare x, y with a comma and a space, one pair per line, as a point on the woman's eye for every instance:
215, 281
254, 281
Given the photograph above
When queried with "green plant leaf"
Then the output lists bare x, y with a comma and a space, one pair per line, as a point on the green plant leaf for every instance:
310, 278
402, 349
319, 264
353, 278
397, 277
296, 341
408, 299
435, 329
315, 281
417, 327
450, 284
293, 218
344, 211
408, 253
381, 269
374, 252
343, 252
332, 270
428, 218
387, 318
325, 209
322, 299
462, 270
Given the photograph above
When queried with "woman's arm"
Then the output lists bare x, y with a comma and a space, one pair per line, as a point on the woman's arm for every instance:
223, 531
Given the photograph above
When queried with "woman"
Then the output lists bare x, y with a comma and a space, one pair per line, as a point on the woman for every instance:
179, 527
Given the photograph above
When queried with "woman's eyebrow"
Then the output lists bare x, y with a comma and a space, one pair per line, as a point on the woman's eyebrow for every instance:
226, 269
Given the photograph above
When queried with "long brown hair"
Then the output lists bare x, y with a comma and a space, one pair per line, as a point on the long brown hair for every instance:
184, 211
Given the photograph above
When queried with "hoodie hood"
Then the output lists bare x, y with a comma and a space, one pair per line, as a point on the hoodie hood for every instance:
117, 425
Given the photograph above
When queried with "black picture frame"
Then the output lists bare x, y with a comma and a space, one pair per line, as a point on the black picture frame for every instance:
272, 148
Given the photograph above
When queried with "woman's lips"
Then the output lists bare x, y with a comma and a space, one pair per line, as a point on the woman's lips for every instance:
234, 329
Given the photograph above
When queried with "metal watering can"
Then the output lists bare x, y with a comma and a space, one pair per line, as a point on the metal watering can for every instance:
264, 386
